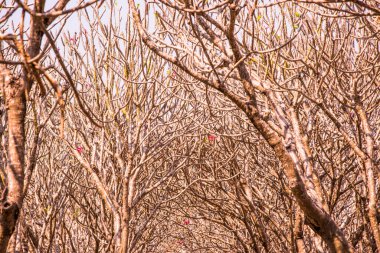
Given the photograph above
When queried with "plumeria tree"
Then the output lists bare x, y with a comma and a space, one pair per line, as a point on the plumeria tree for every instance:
23, 51
129, 153
189, 126
287, 67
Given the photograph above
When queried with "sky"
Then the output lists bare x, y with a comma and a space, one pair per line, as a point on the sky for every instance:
72, 22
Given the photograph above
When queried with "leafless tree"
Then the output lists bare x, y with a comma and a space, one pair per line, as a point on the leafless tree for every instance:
24, 54
282, 65
189, 126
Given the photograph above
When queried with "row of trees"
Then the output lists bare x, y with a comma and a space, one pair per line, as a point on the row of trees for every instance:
189, 126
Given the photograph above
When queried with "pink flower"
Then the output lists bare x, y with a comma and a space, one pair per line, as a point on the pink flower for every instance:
74, 39
211, 137
186, 222
79, 149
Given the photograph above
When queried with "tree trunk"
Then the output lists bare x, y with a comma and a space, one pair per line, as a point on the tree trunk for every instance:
125, 232
298, 232
316, 218
371, 178
11, 201
126, 210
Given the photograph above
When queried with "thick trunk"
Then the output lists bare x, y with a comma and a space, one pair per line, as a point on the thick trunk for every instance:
125, 232
298, 232
320, 221
8, 218
124, 221
371, 178
12, 197
128, 191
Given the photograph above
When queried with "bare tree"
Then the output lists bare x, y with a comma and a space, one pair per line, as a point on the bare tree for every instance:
264, 62
17, 84
189, 126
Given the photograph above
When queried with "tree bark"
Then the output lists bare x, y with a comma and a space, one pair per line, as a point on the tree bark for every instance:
316, 218
128, 192
371, 178
298, 232
11, 201
125, 231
